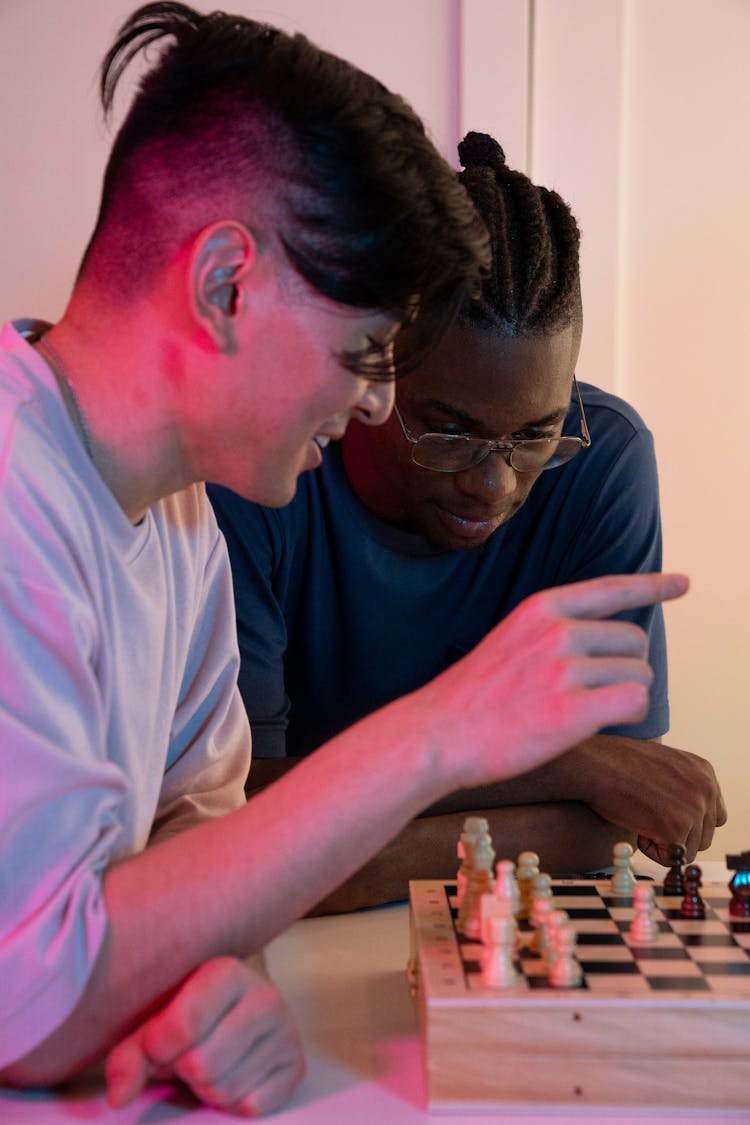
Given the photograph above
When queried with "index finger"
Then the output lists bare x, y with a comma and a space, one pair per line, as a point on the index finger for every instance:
613, 593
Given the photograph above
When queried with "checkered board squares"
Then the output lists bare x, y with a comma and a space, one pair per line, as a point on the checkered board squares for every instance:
658, 1025
690, 955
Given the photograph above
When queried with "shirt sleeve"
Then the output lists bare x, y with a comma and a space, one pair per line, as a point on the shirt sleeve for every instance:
209, 748
61, 813
78, 789
261, 627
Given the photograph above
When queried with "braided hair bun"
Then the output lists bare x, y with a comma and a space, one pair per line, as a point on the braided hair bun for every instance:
533, 284
480, 150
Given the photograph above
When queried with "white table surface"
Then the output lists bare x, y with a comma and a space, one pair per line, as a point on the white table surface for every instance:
344, 978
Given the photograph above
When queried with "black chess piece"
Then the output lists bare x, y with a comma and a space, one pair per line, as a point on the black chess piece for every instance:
739, 906
692, 905
674, 883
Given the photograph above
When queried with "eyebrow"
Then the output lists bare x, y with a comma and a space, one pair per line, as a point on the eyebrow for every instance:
475, 424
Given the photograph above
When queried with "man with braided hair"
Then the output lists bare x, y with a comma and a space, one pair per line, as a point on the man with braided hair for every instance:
497, 475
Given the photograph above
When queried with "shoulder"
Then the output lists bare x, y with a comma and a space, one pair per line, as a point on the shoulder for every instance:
607, 413
615, 478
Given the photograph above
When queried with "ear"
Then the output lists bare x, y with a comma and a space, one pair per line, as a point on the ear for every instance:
222, 254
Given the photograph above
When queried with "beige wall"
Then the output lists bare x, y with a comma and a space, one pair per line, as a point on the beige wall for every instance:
638, 111
642, 118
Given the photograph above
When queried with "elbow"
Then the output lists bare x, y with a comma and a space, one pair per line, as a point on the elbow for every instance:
26, 1075
39, 1069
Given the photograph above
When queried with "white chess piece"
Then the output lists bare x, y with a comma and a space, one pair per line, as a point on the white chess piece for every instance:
541, 886
541, 907
475, 828
552, 923
623, 880
566, 971
492, 906
480, 882
506, 886
496, 962
527, 866
644, 929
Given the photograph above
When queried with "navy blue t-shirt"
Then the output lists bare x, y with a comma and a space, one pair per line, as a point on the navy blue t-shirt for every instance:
339, 613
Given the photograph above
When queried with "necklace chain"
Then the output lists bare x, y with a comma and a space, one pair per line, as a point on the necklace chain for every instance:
62, 374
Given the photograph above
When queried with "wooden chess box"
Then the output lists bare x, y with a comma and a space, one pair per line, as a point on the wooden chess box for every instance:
661, 1025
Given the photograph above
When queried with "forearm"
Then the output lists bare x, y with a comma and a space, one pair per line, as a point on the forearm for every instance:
661, 796
229, 885
567, 836
570, 777
566, 778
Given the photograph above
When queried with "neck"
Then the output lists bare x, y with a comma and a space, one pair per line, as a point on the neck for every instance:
117, 418
68, 392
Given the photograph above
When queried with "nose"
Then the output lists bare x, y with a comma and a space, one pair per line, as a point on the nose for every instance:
491, 480
376, 402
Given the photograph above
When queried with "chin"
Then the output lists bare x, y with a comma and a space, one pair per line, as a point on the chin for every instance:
278, 495
460, 544
441, 540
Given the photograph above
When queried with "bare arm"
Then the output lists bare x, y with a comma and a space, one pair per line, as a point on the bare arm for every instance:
662, 795
553, 669
570, 810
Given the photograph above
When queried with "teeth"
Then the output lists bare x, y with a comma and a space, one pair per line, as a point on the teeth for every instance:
322, 440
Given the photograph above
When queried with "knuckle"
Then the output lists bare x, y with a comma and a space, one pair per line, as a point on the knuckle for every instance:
537, 607
168, 1035
266, 999
220, 969
193, 1069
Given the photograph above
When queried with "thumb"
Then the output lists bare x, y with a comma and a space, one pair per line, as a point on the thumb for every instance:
128, 1070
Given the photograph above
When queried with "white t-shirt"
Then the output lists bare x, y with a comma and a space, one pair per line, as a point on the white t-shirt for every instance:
119, 712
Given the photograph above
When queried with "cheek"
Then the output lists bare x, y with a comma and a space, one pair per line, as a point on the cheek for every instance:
524, 485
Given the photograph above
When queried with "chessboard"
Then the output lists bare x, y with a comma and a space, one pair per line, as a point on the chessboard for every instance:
665, 1024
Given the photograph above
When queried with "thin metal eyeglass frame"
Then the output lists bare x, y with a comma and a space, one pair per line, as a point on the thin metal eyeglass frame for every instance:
505, 448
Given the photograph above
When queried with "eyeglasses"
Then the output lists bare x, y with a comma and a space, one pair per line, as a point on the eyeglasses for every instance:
452, 453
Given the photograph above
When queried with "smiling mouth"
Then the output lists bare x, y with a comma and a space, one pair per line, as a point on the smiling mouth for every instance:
472, 526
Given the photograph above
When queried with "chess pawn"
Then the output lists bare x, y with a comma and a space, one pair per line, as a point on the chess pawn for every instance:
739, 885
566, 972
674, 883
644, 929
739, 905
541, 887
539, 911
527, 866
552, 923
483, 860
506, 886
476, 826
692, 905
623, 880
496, 962
490, 906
